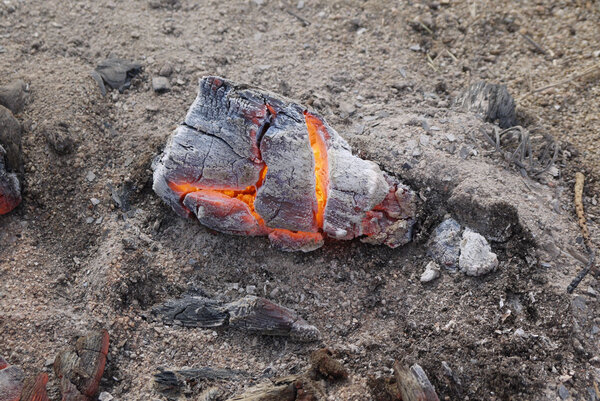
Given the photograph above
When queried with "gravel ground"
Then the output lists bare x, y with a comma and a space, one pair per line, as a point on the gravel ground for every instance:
68, 265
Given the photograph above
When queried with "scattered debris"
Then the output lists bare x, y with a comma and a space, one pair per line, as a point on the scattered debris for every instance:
444, 245
115, 73
432, 271
581, 220
303, 387
80, 369
280, 184
489, 101
13, 96
161, 84
476, 256
523, 143
249, 313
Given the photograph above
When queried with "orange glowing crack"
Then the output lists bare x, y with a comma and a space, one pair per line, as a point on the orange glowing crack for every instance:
317, 134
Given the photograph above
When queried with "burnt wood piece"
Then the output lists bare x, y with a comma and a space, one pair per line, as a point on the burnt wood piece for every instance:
80, 369
115, 73
11, 381
171, 382
490, 102
250, 313
413, 384
324, 364
35, 388
249, 162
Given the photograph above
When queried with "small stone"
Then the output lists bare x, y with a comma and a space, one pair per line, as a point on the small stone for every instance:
597, 53
300, 5
95, 201
520, 333
451, 137
89, 220
347, 109
553, 171
104, 396
166, 70
90, 176
432, 271
563, 393
415, 48
13, 96
251, 289
476, 256
444, 244
161, 84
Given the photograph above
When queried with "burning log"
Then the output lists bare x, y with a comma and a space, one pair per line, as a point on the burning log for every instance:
10, 161
254, 314
81, 368
250, 162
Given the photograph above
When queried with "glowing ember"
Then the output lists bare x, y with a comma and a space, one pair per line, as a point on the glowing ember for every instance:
249, 162
10, 190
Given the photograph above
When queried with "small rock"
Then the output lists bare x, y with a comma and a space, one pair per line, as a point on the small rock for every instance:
563, 393
161, 84
346, 109
166, 70
415, 48
89, 220
13, 96
451, 137
90, 176
300, 5
444, 245
95, 201
251, 289
115, 73
476, 256
432, 271
104, 396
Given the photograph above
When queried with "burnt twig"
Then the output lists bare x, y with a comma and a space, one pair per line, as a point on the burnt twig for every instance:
579, 180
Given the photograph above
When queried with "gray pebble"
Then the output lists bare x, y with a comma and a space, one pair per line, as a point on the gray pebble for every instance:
161, 84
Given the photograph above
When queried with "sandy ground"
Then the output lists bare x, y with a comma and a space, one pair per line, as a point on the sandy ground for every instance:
67, 266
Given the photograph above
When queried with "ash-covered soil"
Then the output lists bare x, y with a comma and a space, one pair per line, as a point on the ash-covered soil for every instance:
68, 265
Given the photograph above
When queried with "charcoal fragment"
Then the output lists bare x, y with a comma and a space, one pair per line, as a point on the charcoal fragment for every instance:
115, 73
490, 102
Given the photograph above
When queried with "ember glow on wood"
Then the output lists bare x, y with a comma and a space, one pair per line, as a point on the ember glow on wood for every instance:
250, 162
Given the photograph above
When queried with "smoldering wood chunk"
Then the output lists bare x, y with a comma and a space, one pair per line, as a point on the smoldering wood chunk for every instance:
192, 311
265, 317
489, 101
414, 384
172, 382
287, 198
10, 140
324, 364
250, 313
193, 161
83, 366
11, 381
35, 388
296, 176
13, 96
